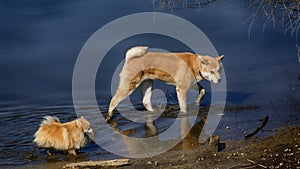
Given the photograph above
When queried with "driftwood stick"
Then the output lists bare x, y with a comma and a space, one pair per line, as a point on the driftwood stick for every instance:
263, 123
107, 163
239, 166
251, 161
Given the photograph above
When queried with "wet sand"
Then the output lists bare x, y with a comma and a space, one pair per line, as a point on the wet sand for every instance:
279, 150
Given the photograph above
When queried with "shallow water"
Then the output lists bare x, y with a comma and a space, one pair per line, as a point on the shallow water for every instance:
40, 42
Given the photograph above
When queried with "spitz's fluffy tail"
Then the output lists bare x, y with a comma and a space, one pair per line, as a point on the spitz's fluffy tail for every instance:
50, 120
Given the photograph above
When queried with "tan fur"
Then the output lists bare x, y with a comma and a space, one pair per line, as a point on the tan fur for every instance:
136, 52
62, 136
179, 69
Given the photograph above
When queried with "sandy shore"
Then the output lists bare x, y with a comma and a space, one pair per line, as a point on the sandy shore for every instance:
280, 150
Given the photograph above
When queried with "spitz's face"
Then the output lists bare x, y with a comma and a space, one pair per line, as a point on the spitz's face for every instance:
86, 127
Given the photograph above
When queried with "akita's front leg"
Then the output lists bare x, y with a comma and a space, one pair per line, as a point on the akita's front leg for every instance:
146, 90
201, 93
181, 96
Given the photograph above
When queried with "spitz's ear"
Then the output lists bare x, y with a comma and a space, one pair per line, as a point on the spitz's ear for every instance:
78, 122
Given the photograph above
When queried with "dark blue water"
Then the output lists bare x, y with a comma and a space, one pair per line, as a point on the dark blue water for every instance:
40, 41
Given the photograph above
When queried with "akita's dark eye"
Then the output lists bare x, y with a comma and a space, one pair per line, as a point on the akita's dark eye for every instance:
212, 72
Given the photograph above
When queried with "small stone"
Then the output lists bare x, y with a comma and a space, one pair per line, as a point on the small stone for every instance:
200, 159
156, 163
149, 162
227, 127
280, 164
228, 157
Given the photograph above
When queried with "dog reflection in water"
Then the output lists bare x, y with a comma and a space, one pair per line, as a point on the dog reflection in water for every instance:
188, 136
67, 136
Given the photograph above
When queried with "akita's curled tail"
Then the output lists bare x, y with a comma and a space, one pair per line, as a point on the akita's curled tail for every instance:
136, 51
50, 120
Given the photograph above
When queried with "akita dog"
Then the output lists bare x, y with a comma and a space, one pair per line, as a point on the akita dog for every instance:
179, 69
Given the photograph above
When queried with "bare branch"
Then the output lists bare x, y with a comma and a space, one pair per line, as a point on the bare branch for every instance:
180, 4
285, 11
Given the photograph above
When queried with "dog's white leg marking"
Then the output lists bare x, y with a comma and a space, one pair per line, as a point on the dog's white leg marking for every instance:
151, 129
48, 151
185, 128
181, 95
201, 94
72, 152
146, 90
118, 97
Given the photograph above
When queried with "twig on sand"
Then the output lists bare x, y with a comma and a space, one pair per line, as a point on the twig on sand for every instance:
107, 163
239, 166
263, 123
251, 161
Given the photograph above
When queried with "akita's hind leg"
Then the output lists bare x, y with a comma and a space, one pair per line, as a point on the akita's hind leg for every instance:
120, 95
126, 87
146, 90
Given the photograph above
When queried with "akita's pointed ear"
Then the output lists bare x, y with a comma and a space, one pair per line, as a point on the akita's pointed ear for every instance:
219, 58
203, 60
